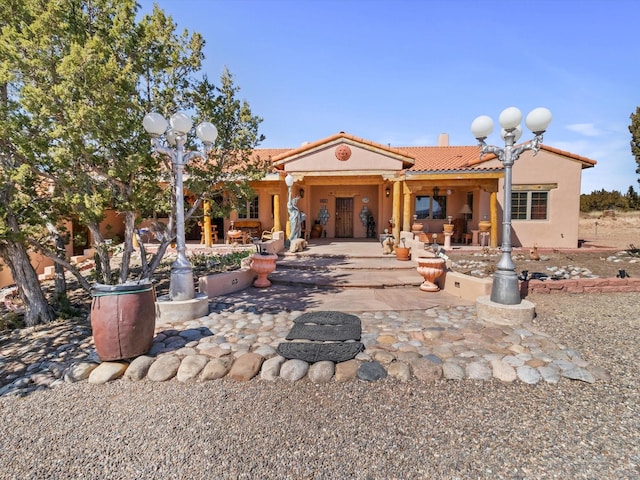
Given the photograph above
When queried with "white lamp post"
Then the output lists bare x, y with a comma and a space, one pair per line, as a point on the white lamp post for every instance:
181, 285
505, 288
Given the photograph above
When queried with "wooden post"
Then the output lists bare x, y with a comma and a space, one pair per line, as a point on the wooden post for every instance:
206, 223
277, 224
396, 211
493, 211
406, 212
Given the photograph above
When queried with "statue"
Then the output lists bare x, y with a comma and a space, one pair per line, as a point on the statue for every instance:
295, 218
371, 227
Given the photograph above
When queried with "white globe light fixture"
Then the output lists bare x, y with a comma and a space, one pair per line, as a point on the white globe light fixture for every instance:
517, 133
181, 285
506, 289
207, 132
155, 124
181, 123
482, 126
510, 118
288, 180
538, 119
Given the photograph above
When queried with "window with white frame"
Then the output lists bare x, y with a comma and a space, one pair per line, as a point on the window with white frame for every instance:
249, 210
529, 205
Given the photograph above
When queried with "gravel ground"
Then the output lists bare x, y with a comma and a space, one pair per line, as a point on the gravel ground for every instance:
382, 430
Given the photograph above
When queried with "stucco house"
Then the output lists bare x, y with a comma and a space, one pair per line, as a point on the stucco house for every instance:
346, 182
355, 188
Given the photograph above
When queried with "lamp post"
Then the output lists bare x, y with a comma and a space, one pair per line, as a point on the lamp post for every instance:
181, 284
505, 289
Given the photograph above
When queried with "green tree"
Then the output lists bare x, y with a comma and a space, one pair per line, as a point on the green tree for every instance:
634, 129
78, 78
633, 200
603, 200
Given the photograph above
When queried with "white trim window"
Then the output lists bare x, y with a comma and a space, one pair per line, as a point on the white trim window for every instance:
530, 205
250, 210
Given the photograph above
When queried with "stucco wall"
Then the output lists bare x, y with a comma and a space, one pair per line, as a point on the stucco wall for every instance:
560, 230
361, 159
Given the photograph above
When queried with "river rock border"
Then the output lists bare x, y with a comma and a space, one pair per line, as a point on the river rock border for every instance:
231, 344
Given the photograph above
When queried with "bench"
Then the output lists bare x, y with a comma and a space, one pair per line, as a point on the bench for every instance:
247, 229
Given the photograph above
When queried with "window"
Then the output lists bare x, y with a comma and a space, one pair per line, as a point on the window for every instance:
431, 207
249, 210
529, 205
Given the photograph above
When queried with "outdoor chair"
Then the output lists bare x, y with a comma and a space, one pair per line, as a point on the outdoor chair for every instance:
267, 234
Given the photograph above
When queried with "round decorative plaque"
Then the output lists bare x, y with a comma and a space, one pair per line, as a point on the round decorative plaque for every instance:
343, 152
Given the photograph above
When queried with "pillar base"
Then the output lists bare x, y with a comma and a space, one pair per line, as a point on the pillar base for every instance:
176, 311
499, 314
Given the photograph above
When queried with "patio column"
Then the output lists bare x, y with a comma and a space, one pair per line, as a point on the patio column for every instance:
277, 224
206, 223
396, 211
493, 212
406, 212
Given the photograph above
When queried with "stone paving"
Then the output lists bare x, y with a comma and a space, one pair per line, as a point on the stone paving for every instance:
408, 335
234, 342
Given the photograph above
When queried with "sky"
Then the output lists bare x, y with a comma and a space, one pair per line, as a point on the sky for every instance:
402, 72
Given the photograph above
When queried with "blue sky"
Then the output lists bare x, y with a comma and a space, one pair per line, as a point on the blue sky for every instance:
402, 72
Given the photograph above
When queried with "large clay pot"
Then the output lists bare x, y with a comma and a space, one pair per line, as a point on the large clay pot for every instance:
403, 253
316, 231
430, 268
263, 265
123, 319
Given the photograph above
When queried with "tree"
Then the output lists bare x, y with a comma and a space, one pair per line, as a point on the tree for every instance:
603, 200
20, 216
633, 200
79, 76
634, 129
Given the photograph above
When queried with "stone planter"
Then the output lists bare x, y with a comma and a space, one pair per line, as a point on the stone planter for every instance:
484, 226
448, 227
430, 268
263, 265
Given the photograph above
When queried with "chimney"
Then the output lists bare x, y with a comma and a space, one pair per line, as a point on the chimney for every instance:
443, 140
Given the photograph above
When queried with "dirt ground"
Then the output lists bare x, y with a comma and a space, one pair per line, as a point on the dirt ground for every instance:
602, 236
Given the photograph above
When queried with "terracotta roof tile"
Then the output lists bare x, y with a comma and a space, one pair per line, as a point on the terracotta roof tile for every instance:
587, 162
446, 158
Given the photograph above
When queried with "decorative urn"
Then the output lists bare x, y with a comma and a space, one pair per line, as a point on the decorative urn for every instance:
263, 265
430, 268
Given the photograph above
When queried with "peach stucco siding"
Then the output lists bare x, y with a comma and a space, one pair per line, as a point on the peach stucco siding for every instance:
560, 230
361, 159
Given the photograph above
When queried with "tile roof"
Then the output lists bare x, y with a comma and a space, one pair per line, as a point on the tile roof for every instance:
587, 162
447, 158
426, 159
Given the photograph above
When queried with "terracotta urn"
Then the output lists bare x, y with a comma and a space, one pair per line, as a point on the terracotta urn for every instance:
416, 227
484, 225
430, 268
448, 227
263, 265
